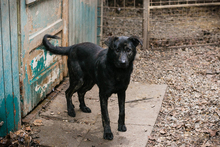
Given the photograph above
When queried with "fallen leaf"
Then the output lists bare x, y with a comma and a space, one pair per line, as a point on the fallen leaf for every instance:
218, 112
151, 138
87, 139
28, 128
163, 132
38, 122
212, 132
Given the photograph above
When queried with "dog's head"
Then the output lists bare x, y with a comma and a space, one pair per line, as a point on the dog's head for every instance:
122, 50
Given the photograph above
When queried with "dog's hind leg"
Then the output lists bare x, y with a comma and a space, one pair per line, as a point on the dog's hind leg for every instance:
76, 82
81, 93
74, 86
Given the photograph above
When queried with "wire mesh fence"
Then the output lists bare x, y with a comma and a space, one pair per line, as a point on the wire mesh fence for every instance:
122, 18
180, 2
181, 26
171, 23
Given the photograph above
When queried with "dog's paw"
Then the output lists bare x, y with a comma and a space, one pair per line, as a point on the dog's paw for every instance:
122, 128
71, 113
108, 136
85, 109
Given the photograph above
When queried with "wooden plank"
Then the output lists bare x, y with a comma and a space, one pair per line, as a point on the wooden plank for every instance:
3, 129
71, 19
36, 39
99, 21
184, 46
74, 13
184, 5
65, 40
36, 21
77, 22
95, 18
30, 1
146, 25
7, 65
101, 34
89, 21
15, 63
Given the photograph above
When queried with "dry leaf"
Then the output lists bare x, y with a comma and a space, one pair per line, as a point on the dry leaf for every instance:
218, 112
163, 132
38, 122
212, 132
28, 128
151, 138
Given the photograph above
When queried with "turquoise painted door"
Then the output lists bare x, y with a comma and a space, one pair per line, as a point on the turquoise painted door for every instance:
40, 70
9, 72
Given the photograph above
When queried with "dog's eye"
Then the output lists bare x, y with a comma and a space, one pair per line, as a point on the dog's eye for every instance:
128, 49
117, 50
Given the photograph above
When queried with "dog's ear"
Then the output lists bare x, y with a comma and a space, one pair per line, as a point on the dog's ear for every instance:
135, 40
110, 41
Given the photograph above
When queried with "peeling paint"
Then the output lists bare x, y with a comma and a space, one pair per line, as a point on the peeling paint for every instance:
49, 59
41, 88
41, 70
42, 60
35, 61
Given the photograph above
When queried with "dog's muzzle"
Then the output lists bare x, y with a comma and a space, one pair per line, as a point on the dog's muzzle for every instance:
123, 61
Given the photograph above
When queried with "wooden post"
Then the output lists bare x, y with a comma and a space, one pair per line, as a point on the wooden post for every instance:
65, 40
146, 24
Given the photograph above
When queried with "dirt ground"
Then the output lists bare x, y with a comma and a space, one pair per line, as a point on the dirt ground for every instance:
167, 27
190, 113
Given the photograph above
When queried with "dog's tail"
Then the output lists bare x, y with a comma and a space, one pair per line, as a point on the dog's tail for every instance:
55, 49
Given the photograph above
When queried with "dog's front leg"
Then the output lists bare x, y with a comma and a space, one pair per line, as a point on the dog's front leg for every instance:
105, 118
121, 104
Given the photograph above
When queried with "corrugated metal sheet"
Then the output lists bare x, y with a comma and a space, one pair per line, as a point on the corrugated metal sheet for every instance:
9, 73
82, 21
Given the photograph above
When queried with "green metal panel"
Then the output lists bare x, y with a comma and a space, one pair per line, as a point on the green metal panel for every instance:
82, 21
9, 73
41, 71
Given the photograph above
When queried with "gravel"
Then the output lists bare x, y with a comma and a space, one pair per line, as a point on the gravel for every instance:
190, 112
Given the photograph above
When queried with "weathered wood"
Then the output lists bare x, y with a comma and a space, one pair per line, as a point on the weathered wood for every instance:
41, 71
30, 1
7, 65
184, 5
15, 64
146, 24
35, 39
3, 128
65, 33
99, 21
9, 75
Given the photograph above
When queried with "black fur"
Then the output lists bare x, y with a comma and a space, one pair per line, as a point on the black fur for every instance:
110, 69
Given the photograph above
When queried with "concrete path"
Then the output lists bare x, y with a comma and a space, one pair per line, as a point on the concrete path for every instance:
143, 103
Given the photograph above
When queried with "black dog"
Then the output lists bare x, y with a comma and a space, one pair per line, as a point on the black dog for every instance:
110, 69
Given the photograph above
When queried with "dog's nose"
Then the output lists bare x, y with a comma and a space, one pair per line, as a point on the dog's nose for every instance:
123, 61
